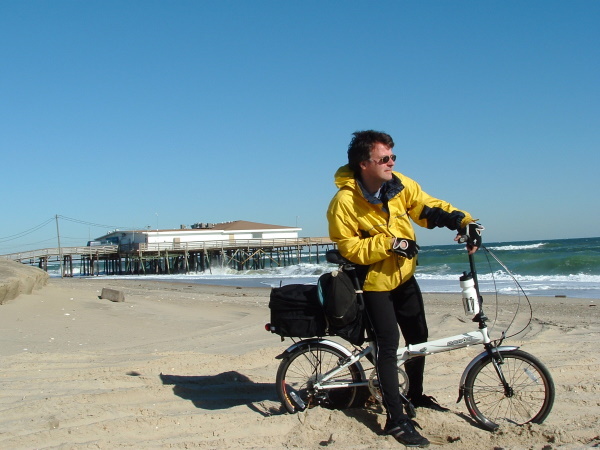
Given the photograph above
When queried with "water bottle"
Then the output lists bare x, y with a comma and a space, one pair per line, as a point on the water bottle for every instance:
469, 294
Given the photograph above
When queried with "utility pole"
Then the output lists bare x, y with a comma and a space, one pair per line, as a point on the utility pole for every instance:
60, 258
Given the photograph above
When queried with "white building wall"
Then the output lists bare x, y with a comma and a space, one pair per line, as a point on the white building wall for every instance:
244, 236
164, 236
182, 236
280, 235
170, 236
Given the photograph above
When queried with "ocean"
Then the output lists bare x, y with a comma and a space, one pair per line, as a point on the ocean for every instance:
562, 267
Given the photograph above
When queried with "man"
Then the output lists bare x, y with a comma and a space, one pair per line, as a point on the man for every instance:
370, 220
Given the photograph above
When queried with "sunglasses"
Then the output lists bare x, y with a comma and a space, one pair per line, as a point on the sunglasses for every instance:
385, 159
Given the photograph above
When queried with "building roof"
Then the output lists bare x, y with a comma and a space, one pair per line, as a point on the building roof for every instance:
236, 225
245, 225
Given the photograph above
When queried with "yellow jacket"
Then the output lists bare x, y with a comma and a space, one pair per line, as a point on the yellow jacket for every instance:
362, 225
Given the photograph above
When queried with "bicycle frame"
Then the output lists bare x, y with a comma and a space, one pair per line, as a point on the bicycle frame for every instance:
467, 339
501, 384
404, 354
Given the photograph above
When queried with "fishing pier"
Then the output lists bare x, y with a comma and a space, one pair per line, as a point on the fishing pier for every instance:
177, 257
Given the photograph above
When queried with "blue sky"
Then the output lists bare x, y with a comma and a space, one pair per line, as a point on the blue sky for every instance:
161, 113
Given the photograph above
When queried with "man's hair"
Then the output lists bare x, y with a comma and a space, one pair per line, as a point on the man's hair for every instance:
361, 144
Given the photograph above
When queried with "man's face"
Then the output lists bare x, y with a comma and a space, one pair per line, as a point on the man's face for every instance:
374, 170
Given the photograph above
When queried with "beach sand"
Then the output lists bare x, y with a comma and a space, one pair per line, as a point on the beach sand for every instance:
190, 366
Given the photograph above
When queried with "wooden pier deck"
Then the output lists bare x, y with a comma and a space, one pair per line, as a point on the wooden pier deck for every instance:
184, 257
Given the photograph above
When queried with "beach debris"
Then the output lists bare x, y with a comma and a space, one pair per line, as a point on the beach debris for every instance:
329, 441
53, 422
112, 294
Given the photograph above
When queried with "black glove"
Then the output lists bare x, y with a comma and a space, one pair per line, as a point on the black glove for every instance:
405, 247
471, 234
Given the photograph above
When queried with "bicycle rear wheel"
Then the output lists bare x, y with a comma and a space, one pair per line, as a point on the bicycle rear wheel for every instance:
299, 371
528, 398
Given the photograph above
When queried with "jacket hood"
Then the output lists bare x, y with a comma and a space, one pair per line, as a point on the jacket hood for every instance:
344, 177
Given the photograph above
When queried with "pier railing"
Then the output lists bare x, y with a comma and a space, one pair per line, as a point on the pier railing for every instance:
226, 245
62, 251
169, 247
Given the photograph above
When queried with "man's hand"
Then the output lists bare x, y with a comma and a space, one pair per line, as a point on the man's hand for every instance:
471, 234
406, 248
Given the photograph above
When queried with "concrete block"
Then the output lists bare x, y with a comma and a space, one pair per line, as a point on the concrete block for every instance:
113, 295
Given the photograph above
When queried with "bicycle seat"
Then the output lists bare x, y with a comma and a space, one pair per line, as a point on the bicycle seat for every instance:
334, 257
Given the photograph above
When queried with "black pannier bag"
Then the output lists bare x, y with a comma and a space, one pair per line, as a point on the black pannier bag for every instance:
338, 296
296, 311
342, 309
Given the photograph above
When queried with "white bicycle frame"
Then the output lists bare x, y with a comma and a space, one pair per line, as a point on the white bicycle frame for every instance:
458, 341
309, 386
480, 336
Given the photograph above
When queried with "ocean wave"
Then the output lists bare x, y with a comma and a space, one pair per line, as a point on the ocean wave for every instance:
501, 275
577, 285
442, 272
517, 247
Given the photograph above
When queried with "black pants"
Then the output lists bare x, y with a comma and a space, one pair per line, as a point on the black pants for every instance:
387, 310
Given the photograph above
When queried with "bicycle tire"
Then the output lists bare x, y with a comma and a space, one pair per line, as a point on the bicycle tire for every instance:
531, 393
298, 371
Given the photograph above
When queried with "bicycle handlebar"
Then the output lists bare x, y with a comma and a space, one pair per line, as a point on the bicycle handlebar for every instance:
334, 257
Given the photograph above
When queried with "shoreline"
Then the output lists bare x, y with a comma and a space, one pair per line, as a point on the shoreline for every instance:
190, 365
251, 282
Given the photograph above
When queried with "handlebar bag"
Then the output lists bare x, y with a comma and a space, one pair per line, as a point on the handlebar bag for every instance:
296, 311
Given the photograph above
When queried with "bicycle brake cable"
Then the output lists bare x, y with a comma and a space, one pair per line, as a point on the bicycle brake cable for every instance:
496, 312
520, 288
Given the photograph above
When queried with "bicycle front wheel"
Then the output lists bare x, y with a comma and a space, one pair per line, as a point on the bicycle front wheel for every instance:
299, 371
528, 396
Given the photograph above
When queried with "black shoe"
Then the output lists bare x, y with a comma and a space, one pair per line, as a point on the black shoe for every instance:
405, 433
427, 401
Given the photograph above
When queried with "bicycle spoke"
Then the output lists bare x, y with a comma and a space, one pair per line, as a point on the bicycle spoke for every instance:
302, 370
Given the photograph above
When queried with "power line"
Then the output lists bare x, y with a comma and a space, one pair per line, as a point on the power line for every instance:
26, 232
8, 248
37, 242
83, 222
31, 230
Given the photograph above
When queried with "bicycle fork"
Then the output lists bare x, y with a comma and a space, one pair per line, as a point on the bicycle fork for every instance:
495, 353
497, 362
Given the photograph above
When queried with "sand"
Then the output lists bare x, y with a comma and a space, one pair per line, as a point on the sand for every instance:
179, 365
17, 279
